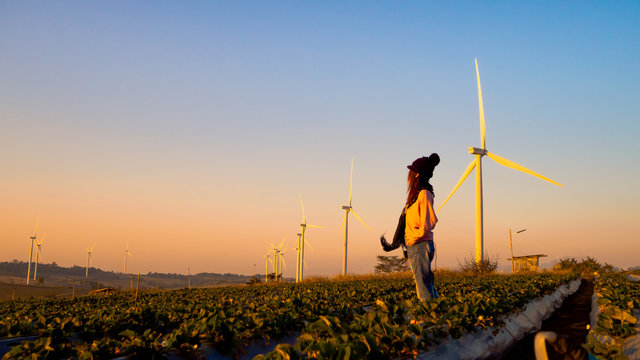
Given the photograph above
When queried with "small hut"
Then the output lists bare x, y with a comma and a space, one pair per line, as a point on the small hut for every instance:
527, 262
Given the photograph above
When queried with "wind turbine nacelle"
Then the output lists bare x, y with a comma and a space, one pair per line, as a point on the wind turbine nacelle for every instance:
477, 151
345, 207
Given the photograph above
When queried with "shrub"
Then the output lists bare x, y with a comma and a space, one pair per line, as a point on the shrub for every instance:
486, 266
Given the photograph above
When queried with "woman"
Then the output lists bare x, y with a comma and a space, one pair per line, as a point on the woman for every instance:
420, 221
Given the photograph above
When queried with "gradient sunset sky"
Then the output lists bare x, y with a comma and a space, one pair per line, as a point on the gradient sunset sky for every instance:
191, 129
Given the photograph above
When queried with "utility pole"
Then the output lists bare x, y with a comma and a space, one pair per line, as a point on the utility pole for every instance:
511, 245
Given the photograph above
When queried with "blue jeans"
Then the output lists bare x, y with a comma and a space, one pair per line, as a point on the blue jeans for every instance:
421, 268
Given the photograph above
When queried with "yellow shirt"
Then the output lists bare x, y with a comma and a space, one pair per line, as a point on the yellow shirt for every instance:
420, 219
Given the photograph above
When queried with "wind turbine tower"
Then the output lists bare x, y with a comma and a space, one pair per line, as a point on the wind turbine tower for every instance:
345, 222
303, 227
126, 253
33, 239
298, 254
86, 274
38, 253
477, 164
266, 266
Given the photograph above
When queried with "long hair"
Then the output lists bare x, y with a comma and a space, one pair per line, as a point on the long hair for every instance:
416, 183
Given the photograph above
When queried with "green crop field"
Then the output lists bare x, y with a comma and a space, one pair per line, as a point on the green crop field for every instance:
363, 318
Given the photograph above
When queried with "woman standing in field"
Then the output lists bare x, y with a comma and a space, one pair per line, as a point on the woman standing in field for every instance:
420, 221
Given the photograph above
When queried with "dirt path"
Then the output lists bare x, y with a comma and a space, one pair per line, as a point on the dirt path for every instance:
570, 320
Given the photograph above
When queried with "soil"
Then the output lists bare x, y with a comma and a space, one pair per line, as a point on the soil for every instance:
569, 321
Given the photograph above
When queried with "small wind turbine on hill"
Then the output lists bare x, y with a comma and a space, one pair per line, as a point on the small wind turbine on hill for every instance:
477, 164
126, 253
302, 241
345, 222
33, 239
38, 254
86, 274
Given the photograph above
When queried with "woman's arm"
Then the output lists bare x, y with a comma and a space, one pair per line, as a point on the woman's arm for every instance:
429, 214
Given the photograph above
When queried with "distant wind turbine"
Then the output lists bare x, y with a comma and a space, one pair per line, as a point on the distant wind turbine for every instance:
477, 164
86, 274
277, 258
302, 241
33, 239
345, 222
282, 264
266, 265
38, 254
126, 253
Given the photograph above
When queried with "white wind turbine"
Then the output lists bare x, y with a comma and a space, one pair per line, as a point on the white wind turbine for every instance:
126, 253
282, 264
38, 254
298, 248
86, 274
277, 258
33, 239
477, 164
267, 258
302, 241
345, 222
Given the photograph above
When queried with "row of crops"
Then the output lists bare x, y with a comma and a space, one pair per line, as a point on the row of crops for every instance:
618, 300
378, 318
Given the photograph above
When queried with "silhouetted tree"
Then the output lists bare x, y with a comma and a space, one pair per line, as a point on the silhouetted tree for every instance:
390, 264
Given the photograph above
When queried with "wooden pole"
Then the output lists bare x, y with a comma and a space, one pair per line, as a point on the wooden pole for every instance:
511, 246
137, 287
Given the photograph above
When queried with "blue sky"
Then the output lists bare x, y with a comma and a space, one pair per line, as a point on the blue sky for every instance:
213, 117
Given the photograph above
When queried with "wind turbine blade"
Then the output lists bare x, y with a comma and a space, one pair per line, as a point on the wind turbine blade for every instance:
344, 220
304, 219
307, 243
362, 221
351, 182
508, 163
37, 224
280, 246
283, 262
481, 108
462, 178
94, 245
272, 246
42, 239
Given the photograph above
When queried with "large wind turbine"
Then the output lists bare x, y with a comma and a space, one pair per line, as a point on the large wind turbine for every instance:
477, 164
126, 253
298, 250
345, 222
33, 238
302, 242
38, 253
86, 274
